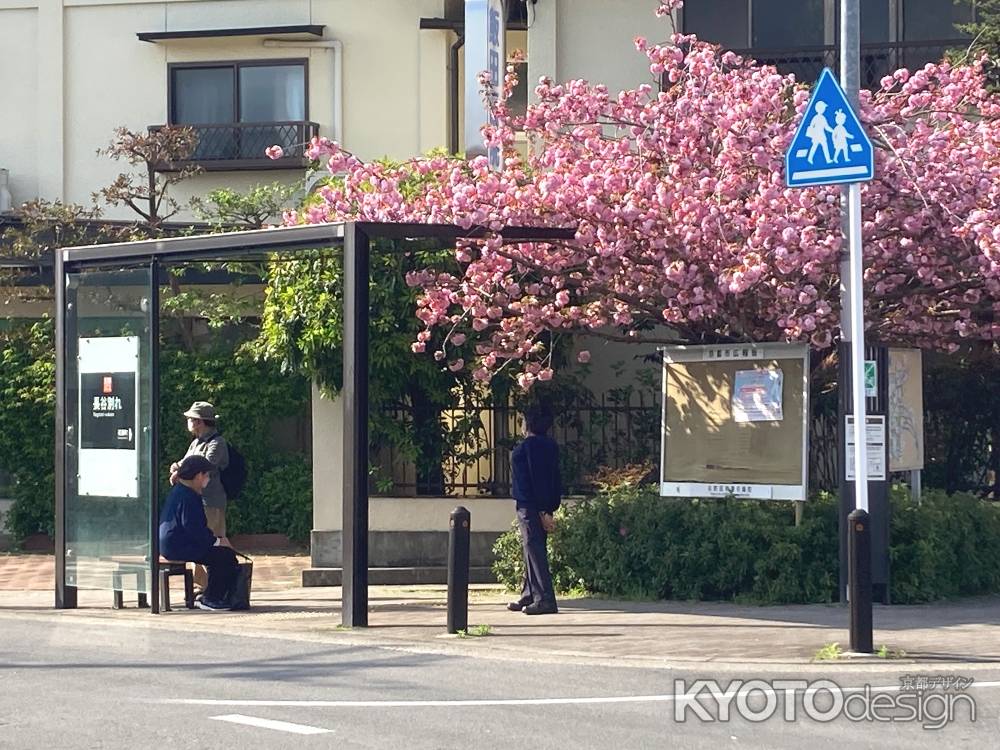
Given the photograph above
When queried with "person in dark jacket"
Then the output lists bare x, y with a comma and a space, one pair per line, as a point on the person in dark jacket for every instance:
184, 533
537, 492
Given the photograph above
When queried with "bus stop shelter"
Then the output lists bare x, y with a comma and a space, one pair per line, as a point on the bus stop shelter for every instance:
108, 474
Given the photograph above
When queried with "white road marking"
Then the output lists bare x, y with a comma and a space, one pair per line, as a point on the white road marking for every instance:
281, 726
504, 701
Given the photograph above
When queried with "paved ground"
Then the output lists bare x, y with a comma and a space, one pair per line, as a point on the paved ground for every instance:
638, 633
598, 674
34, 572
75, 682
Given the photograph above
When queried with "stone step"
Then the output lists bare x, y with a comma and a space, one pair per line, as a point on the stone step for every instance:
395, 576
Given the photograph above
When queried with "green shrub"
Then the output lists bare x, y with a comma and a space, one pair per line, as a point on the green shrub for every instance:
628, 542
277, 502
27, 414
947, 546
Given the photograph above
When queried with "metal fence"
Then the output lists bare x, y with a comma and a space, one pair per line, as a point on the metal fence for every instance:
241, 145
877, 60
606, 432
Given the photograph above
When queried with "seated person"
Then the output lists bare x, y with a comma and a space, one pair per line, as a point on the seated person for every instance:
184, 533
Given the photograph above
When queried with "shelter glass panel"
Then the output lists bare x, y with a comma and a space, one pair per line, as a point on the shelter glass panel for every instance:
108, 403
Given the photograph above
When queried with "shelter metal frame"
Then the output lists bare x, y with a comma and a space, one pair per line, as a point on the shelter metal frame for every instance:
355, 238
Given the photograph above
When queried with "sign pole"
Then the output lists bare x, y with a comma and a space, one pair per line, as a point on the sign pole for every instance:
859, 526
831, 147
858, 348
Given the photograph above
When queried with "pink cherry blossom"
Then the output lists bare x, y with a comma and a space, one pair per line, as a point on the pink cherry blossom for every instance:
685, 230
274, 152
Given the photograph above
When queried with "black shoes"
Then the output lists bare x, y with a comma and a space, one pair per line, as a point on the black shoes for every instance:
518, 605
540, 608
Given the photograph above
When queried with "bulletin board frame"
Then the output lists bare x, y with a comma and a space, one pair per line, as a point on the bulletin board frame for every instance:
761, 460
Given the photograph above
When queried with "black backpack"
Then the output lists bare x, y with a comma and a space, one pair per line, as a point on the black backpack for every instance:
234, 476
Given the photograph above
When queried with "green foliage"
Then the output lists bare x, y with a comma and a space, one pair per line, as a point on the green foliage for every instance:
302, 331
947, 546
476, 631
227, 208
830, 652
279, 500
962, 420
985, 33
27, 403
628, 542
250, 396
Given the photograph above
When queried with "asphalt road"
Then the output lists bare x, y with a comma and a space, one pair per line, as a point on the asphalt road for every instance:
78, 684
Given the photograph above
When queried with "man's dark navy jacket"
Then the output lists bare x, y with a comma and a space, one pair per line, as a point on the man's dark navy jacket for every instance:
184, 532
536, 483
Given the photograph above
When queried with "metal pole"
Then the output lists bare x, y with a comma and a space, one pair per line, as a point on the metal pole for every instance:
65, 595
850, 80
860, 586
153, 413
858, 350
459, 530
859, 533
354, 592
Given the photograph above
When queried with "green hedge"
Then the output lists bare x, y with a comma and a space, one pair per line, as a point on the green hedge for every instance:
27, 408
628, 542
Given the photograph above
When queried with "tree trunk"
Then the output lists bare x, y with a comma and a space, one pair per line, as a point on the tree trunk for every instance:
185, 325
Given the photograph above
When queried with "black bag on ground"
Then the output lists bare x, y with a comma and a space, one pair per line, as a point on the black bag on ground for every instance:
239, 597
234, 476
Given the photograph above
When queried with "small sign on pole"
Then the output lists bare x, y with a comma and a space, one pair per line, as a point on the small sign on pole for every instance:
871, 378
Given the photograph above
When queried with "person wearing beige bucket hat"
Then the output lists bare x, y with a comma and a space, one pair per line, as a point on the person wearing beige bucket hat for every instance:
202, 423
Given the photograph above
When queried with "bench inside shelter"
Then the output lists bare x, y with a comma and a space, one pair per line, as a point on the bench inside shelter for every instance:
124, 565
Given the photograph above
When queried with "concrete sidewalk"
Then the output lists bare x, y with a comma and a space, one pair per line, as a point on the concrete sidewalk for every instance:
639, 633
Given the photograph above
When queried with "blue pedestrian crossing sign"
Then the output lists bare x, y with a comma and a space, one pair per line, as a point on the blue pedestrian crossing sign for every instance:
830, 146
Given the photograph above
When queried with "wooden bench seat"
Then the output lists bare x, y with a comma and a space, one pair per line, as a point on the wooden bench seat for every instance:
135, 565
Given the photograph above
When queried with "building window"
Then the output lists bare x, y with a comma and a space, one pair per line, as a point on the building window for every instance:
776, 23
238, 109
772, 24
800, 37
933, 19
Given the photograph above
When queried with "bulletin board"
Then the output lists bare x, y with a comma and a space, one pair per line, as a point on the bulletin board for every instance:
906, 410
735, 421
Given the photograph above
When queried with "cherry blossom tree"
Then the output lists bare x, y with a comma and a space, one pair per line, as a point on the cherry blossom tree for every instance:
685, 231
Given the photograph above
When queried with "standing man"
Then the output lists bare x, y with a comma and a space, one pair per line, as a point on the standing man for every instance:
537, 491
201, 422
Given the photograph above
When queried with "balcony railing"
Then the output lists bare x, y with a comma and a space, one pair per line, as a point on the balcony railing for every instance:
241, 145
877, 60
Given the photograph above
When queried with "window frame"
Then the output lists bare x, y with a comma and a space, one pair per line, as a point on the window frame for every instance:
236, 66
831, 23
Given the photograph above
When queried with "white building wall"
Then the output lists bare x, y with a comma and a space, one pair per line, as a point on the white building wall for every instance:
593, 40
73, 70
19, 114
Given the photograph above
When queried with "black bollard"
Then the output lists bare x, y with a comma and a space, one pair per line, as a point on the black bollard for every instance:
859, 580
458, 570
